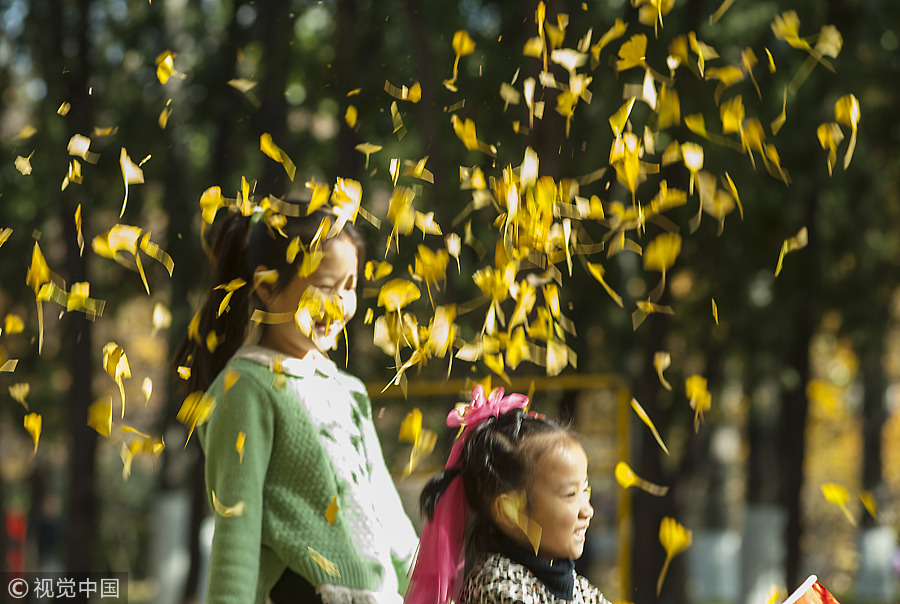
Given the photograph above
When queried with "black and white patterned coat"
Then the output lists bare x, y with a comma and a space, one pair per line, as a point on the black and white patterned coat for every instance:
496, 579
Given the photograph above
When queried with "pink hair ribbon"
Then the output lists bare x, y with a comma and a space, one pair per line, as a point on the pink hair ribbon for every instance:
437, 576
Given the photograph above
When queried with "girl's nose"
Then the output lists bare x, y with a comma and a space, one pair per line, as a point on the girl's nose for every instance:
587, 510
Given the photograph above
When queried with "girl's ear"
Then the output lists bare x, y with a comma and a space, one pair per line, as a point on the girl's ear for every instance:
505, 513
264, 283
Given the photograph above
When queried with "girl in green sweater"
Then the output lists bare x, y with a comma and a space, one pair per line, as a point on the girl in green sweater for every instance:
305, 507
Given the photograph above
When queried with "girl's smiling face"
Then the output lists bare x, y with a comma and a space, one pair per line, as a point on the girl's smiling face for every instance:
559, 501
336, 278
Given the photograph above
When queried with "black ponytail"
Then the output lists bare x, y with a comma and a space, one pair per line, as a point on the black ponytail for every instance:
239, 245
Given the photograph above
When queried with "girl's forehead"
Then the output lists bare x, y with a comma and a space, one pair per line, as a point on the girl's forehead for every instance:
566, 457
340, 250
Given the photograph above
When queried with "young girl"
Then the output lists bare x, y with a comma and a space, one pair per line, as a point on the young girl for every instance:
306, 510
523, 480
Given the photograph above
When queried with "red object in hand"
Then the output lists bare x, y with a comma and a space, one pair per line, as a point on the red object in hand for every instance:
811, 592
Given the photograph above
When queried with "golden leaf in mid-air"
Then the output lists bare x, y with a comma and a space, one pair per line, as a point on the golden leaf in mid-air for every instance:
196, 410
661, 361
131, 174
698, 396
19, 392
646, 419
32, 424
626, 478
226, 511
23, 164
331, 511
397, 293
327, 565
268, 146
797, 242
513, 506
675, 539
115, 362
838, 495
100, 416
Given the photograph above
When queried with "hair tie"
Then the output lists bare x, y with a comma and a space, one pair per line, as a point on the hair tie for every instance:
437, 574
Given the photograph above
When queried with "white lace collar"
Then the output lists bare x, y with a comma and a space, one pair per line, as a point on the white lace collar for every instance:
313, 362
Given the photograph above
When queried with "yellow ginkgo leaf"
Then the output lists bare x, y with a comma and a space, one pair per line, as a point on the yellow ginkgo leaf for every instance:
397, 293
791, 244
131, 174
675, 539
19, 392
327, 565
698, 396
12, 323
100, 416
195, 410
165, 66
23, 164
512, 506
411, 426
868, 501
32, 424
660, 254
633, 53
846, 111
626, 478
646, 419
661, 361
227, 511
239, 445
115, 362
838, 495
331, 511
268, 146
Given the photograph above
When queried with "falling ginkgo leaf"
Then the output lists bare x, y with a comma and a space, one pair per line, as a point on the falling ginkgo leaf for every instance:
791, 244
513, 506
675, 539
131, 175
227, 511
32, 424
327, 565
100, 416
239, 445
839, 496
331, 511
626, 478
646, 419
661, 361
195, 410
268, 146
115, 362
698, 396
19, 393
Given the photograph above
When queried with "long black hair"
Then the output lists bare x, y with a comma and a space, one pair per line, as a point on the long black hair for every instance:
499, 456
239, 245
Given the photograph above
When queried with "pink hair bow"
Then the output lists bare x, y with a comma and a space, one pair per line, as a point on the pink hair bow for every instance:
437, 576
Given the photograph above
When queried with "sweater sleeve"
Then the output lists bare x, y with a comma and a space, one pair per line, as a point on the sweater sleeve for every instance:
398, 525
233, 479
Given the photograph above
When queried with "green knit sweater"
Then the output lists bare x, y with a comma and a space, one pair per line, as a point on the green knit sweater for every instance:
308, 437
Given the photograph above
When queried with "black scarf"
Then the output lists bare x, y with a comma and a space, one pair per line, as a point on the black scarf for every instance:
557, 575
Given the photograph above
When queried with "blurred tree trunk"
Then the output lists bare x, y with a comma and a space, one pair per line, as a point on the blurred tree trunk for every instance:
874, 416
275, 26
81, 523
795, 404
647, 511
350, 33
188, 470
55, 28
